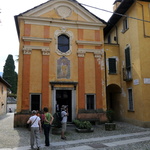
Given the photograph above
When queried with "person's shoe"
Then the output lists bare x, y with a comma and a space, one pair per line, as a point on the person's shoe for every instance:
38, 148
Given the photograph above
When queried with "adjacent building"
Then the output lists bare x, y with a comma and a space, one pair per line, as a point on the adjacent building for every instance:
4, 86
127, 42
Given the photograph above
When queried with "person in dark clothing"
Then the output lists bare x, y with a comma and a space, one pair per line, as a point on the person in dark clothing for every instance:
48, 120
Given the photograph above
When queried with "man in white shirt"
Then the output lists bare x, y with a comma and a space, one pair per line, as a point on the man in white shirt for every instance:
64, 115
35, 130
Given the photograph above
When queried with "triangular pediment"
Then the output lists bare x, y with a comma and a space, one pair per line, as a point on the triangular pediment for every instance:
63, 9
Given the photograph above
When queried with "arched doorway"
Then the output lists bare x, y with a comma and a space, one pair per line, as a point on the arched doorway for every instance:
113, 93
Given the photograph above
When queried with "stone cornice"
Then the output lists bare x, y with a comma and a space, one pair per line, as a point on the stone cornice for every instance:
27, 49
95, 43
35, 39
97, 52
62, 21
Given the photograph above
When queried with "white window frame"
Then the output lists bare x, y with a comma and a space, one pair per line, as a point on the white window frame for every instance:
125, 24
64, 31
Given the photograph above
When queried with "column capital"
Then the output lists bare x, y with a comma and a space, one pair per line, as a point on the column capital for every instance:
45, 51
81, 54
27, 50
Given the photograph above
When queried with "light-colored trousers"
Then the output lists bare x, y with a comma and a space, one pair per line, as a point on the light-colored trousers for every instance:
35, 136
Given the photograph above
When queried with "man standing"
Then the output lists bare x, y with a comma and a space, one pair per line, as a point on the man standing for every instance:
35, 130
48, 120
64, 115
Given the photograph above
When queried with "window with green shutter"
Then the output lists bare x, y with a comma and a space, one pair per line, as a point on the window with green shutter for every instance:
127, 57
112, 65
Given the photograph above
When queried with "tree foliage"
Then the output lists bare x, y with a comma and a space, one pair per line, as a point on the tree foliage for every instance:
9, 73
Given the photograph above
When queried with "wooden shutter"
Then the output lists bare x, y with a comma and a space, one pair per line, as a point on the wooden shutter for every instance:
127, 57
112, 65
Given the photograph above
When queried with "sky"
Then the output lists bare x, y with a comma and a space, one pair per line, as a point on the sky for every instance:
9, 43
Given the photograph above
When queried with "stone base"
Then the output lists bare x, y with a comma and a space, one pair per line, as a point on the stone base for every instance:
20, 119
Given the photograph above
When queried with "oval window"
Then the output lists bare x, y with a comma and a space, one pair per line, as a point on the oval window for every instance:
63, 43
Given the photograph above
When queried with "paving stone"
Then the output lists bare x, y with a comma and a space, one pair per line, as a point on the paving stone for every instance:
125, 137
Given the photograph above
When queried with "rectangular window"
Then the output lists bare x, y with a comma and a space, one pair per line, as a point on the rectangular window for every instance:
35, 101
90, 101
112, 65
130, 99
125, 24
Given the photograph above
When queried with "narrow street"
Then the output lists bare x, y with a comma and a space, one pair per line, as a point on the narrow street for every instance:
125, 137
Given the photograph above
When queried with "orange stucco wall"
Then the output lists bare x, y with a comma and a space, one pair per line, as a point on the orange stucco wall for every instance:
38, 70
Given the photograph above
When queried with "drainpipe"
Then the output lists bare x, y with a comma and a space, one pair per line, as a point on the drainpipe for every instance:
146, 36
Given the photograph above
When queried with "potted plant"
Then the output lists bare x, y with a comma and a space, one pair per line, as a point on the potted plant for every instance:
56, 125
110, 125
83, 126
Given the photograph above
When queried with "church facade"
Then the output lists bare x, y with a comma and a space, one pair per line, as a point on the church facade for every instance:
61, 60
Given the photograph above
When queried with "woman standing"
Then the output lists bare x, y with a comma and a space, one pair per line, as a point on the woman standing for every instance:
35, 130
48, 120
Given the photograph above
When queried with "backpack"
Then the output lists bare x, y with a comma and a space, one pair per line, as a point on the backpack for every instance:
59, 116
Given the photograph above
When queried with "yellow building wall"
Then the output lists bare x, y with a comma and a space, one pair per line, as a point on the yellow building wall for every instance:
137, 38
35, 72
89, 74
112, 51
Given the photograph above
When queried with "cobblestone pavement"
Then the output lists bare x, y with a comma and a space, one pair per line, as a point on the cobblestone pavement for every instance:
125, 137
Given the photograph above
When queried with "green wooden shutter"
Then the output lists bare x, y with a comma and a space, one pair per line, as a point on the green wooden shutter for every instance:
127, 57
112, 65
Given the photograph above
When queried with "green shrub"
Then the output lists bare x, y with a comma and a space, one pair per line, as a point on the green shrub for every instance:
109, 114
82, 124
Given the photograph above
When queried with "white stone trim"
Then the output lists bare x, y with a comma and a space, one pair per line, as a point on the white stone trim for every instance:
48, 6
73, 100
64, 24
27, 49
36, 39
81, 54
64, 11
49, 21
97, 52
63, 30
95, 43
